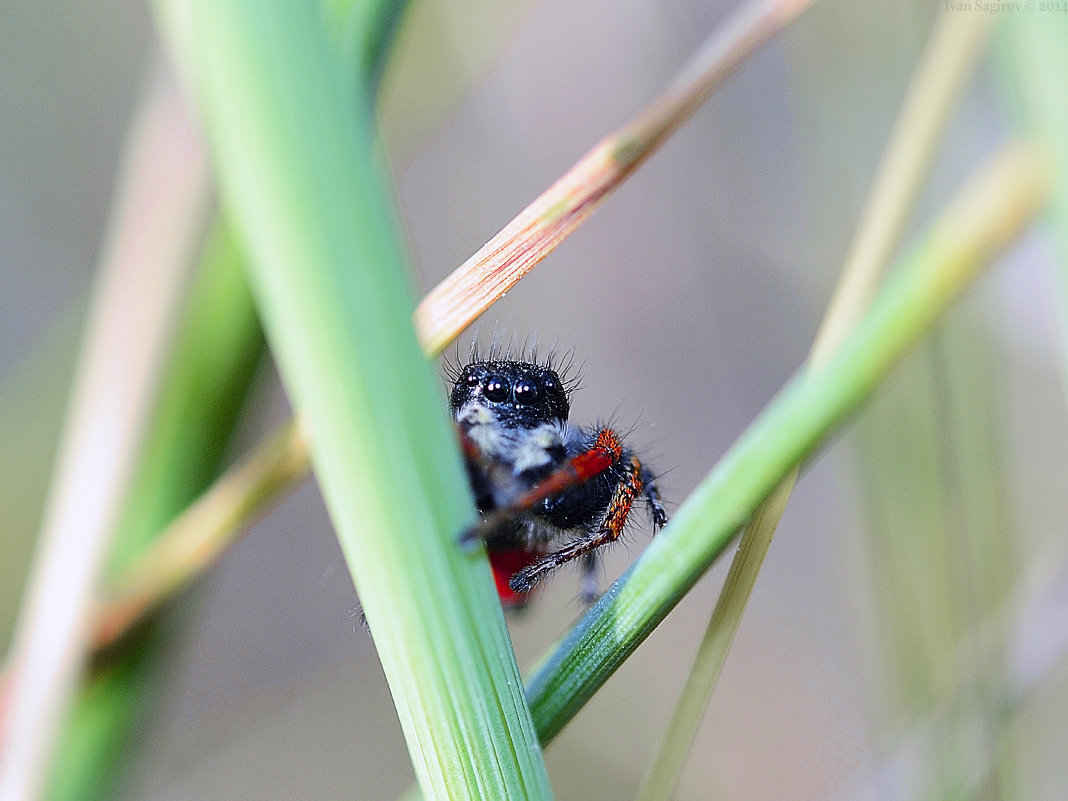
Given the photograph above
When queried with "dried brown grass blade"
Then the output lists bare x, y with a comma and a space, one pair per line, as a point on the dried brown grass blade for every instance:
454, 303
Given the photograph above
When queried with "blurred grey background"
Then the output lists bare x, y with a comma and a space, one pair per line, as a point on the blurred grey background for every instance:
689, 299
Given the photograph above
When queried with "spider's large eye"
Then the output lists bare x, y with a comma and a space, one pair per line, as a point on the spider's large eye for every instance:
496, 389
526, 392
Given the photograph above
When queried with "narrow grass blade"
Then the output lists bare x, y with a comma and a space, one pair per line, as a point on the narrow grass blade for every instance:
364, 33
950, 59
199, 535
210, 367
134, 307
454, 303
298, 173
983, 219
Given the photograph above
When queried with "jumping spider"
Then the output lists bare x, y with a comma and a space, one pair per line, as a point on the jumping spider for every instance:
539, 480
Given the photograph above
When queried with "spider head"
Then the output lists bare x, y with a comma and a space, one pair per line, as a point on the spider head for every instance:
508, 393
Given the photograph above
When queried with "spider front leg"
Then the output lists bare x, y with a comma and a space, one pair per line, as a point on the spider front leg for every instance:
632, 484
590, 589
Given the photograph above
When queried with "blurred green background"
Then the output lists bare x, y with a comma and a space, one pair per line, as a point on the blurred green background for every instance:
906, 638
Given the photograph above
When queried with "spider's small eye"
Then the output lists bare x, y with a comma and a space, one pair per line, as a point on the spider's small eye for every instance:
526, 392
496, 389
471, 379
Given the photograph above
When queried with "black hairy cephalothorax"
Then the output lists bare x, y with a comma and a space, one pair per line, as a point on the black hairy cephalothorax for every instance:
548, 491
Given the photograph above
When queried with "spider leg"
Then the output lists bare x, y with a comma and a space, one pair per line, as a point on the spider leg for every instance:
652, 499
606, 451
610, 529
590, 587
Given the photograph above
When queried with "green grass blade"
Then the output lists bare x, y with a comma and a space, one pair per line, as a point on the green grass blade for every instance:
214, 361
132, 316
299, 177
219, 346
364, 33
956, 44
986, 215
